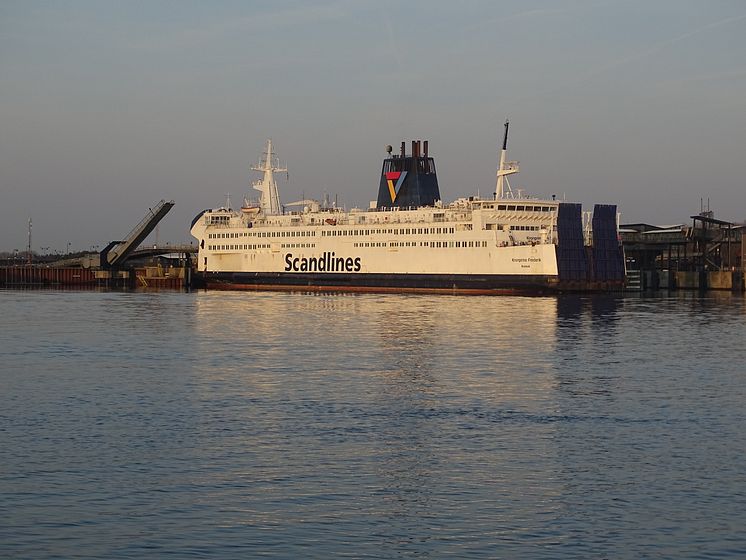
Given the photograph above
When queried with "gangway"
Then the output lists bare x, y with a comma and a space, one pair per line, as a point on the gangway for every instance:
117, 251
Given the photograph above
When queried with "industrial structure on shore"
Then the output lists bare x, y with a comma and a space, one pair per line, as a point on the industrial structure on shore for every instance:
708, 255
123, 263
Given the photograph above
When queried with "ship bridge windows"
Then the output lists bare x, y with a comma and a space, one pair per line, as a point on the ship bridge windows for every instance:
219, 220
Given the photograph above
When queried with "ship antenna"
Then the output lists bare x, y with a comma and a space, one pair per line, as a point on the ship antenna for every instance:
270, 198
506, 168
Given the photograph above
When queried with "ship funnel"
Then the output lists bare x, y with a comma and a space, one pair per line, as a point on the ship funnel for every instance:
409, 180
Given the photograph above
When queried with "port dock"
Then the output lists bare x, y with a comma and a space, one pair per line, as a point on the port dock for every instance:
708, 255
123, 263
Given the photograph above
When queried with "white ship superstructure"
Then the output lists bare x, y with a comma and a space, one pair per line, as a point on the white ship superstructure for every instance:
505, 243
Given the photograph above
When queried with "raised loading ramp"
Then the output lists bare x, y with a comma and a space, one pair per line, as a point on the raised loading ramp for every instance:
116, 252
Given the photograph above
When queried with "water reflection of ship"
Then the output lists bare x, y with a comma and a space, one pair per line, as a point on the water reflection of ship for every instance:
448, 395
587, 328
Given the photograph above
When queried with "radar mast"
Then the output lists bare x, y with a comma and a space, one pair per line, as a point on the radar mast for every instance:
506, 168
270, 198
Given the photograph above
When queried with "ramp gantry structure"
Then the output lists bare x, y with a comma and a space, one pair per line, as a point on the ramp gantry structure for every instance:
116, 252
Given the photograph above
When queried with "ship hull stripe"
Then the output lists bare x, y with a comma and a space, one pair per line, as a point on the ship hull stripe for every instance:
397, 283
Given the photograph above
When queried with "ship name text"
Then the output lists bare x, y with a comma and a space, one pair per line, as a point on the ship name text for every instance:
327, 262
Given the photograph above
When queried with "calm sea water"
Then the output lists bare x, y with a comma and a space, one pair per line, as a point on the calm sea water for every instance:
227, 425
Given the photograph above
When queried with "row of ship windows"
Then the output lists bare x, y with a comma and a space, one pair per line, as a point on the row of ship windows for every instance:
336, 232
401, 231
236, 247
357, 232
521, 208
437, 244
298, 233
259, 246
523, 228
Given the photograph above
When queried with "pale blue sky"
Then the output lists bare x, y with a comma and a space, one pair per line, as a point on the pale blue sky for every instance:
107, 107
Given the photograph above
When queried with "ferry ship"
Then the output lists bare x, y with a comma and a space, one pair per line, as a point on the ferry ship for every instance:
408, 240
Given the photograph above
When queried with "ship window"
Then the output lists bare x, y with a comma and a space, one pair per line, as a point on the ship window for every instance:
520, 208
501, 206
